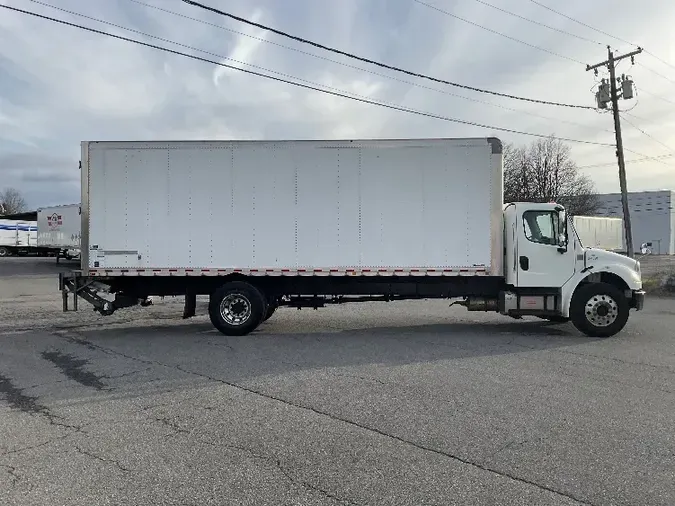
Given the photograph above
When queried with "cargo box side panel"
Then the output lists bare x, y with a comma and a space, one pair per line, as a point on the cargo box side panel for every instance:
154, 206
190, 205
128, 207
327, 209
259, 225
428, 206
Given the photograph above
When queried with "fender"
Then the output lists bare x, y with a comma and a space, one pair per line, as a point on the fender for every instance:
618, 274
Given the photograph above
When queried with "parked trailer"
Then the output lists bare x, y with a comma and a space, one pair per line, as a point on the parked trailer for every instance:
17, 237
261, 224
59, 229
601, 232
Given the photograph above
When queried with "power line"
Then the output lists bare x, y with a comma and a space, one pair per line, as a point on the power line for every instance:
369, 71
602, 32
660, 59
564, 32
636, 160
355, 97
74, 13
581, 22
533, 46
659, 97
379, 64
658, 159
662, 76
646, 134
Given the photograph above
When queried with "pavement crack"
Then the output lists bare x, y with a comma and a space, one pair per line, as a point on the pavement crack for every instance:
33, 447
124, 375
11, 470
172, 425
509, 444
276, 462
45, 384
102, 459
374, 430
73, 368
356, 376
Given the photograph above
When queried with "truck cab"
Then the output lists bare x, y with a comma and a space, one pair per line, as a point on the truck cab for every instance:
549, 273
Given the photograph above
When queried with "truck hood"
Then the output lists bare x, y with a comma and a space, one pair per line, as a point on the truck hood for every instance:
599, 258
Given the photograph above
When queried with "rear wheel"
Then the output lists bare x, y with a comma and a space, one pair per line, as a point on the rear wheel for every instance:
599, 309
4, 252
236, 308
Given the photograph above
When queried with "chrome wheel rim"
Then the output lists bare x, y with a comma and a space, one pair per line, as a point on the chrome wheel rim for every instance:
602, 310
235, 309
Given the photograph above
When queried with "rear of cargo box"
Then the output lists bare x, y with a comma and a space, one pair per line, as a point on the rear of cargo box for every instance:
293, 207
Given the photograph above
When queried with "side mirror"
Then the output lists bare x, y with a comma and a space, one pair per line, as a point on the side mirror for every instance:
562, 231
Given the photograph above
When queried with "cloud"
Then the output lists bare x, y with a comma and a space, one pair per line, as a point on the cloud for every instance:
29, 160
244, 49
67, 85
50, 176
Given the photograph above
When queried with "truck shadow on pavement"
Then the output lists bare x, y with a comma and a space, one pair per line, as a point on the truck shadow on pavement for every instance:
196, 349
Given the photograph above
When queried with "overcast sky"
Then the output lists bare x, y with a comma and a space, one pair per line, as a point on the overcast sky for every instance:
60, 85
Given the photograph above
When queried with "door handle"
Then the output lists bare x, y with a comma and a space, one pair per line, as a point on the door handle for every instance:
524, 263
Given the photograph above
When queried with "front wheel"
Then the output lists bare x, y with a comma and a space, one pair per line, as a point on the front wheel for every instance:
599, 309
4, 252
236, 308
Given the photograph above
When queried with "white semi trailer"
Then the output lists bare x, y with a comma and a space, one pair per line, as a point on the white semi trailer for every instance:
259, 224
17, 237
58, 228
601, 232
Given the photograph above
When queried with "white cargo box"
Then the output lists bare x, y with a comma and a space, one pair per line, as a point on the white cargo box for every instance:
600, 232
401, 207
59, 227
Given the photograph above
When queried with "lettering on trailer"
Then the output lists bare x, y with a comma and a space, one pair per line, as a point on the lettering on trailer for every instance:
54, 221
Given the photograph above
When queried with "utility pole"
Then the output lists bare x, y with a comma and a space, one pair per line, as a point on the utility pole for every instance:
609, 92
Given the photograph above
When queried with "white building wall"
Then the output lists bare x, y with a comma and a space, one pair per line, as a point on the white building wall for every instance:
652, 214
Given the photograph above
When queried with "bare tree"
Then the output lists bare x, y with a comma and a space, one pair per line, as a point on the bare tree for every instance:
11, 201
545, 172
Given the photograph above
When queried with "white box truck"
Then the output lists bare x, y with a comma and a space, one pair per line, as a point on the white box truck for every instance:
260, 224
58, 228
601, 232
17, 237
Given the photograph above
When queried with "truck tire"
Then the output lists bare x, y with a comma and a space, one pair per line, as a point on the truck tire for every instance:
4, 252
236, 308
599, 309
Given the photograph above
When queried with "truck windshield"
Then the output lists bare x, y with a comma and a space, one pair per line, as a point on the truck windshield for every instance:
541, 227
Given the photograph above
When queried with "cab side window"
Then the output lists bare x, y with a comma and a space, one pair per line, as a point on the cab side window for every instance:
541, 227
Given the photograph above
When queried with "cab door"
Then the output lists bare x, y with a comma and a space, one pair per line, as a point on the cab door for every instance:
541, 261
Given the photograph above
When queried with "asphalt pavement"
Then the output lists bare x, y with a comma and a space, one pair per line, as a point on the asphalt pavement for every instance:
410, 403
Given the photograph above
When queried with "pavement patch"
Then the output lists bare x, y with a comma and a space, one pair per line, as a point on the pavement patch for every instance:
73, 367
16, 399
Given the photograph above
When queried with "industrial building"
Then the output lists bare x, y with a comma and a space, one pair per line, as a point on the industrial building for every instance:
652, 214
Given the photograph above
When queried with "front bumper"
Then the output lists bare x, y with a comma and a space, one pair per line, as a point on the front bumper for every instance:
638, 299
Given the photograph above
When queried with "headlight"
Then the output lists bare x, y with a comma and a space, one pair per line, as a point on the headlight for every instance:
637, 266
